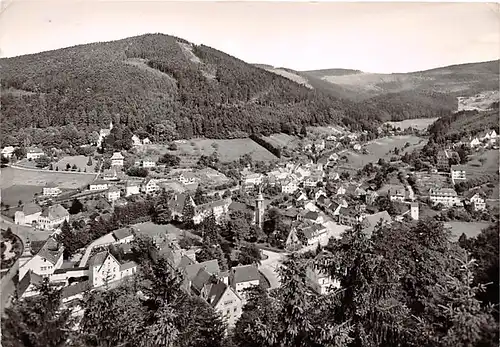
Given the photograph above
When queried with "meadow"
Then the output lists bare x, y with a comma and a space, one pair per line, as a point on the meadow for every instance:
79, 160
10, 176
228, 150
418, 123
470, 229
380, 148
489, 164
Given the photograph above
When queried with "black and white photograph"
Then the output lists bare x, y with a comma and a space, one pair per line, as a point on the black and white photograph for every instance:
249, 173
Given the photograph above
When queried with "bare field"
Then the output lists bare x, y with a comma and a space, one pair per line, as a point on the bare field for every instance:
418, 123
228, 150
283, 140
379, 148
10, 176
471, 229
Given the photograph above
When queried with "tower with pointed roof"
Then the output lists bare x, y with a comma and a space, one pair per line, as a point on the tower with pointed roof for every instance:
259, 209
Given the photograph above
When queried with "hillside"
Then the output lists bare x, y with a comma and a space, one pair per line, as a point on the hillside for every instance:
464, 124
158, 86
456, 80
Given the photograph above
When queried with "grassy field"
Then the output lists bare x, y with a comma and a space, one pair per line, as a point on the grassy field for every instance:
419, 123
12, 194
283, 140
489, 165
471, 229
229, 150
79, 160
379, 148
65, 180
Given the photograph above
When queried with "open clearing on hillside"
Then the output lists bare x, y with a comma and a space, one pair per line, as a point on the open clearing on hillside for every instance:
282, 140
79, 160
418, 123
291, 76
480, 102
489, 166
471, 229
379, 148
10, 176
228, 150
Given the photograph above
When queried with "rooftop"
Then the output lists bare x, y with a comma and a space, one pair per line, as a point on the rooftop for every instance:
245, 273
51, 250
55, 212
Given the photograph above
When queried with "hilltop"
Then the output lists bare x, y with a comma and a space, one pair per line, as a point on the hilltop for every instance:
164, 87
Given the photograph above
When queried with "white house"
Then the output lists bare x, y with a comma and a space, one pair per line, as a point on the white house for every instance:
458, 173
51, 189
103, 134
110, 174
51, 217
477, 201
27, 285
289, 186
46, 261
474, 142
34, 153
148, 163
218, 208
357, 147
250, 178
117, 159
187, 178
123, 235
98, 185
446, 196
321, 282
149, 186
396, 193
28, 215
113, 194
104, 268
319, 145
131, 188
243, 277
8, 151
136, 140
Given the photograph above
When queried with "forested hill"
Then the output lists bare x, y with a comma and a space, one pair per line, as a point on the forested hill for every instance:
160, 86
464, 124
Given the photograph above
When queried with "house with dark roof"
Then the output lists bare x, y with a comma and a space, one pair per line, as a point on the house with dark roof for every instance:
123, 235
117, 159
113, 194
243, 277
150, 186
52, 217
75, 291
190, 270
48, 259
27, 285
98, 185
224, 299
104, 268
28, 215
34, 153
313, 216
396, 193
477, 200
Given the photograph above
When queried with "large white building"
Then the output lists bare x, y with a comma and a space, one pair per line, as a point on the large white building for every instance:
34, 153
446, 196
51, 217
458, 173
117, 159
51, 189
8, 151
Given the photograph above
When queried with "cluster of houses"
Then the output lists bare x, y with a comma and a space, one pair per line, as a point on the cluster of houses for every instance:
47, 218
486, 139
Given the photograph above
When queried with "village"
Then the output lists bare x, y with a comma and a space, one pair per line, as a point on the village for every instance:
294, 204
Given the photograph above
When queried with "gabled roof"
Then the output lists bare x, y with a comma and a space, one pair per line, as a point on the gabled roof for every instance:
290, 212
239, 206
75, 289
122, 233
128, 265
51, 250
211, 266
311, 215
443, 192
313, 230
176, 203
51, 185
245, 273
31, 208
55, 212
29, 278
34, 150
458, 167
100, 258
201, 278
117, 155
212, 205
113, 189
99, 182
217, 290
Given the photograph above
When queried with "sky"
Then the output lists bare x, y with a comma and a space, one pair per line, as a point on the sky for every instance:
373, 37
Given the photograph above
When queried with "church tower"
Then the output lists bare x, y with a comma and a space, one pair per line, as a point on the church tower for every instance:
414, 210
259, 209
